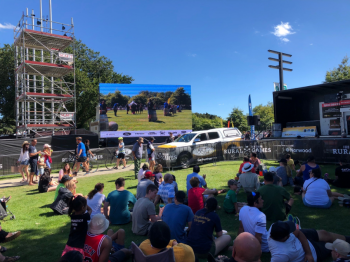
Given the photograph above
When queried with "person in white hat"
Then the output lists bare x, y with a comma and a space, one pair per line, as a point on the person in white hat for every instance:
248, 180
340, 250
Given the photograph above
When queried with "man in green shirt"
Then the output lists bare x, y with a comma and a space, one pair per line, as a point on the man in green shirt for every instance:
63, 180
230, 202
275, 208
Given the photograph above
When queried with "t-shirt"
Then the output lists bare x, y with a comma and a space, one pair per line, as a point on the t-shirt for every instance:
290, 163
140, 217
119, 212
141, 174
306, 172
166, 191
230, 200
182, 252
158, 176
274, 207
150, 149
82, 147
87, 149
282, 173
95, 203
343, 174
57, 189
142, 187
316, 193
256, 163
176, 216
241, 166
121, 149
195, 199
249, 181
31, 150
289, 251
137, 149
78, 230
200, 237
201, 181
254, 221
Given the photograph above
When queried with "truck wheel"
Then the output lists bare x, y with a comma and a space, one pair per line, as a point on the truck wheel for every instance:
184, 159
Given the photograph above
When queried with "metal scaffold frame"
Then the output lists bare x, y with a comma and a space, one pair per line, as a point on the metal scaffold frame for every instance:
42, 93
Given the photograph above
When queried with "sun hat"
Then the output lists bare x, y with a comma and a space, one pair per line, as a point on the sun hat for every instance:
98, 224
65, 178
247, 167
149, 174
159, 234
25, 143
339, 246
281, 229
120, 138
47, 145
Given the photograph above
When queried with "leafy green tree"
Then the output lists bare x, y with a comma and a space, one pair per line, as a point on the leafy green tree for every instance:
340, 73
179, 97
239, 119
203, 122
266, 114
139, 99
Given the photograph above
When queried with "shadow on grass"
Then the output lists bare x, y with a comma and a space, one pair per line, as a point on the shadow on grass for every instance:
49, 214
46, 206
132, 187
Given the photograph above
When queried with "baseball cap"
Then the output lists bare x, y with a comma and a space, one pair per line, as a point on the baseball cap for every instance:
65, 178
339, 246
283, 160
149, 174
281, 229
98, 224
152, 138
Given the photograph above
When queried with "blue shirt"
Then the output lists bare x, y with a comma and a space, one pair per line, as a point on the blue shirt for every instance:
176, 216
166, 191
201, 181
115, 106
165, 105
200, 237
82, 146
306, 172
119, 201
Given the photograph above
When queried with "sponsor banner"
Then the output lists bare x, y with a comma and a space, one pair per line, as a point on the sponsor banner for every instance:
67, 116
111, 134
303, 131
66, 57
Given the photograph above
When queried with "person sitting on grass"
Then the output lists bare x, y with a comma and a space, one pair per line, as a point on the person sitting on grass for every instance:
61, 183
342, 175
166, 190
96, 198
340, 250
200, 237
176, 216
304, 171
248, 180
45, 182
119, 200
230, 202
66, 170
202, 183
316, 191
4, 238
61, 204
143, 170
158, 174
245, 160
159, 238
175, 184
144, 183
72, 256
79, 224
275, 208
290, 162
285, 172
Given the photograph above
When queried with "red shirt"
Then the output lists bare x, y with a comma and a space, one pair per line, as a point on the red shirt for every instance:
195, 199
241, 166
92, 247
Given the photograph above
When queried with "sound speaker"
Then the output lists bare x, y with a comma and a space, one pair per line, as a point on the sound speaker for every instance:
250, 120
256, 120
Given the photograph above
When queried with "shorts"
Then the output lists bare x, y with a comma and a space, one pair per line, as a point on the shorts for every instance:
25, 162
81, 159
117, 256
47, 162
68, 248
320, 247
117, 247
121, 156
151, 158
328, 205
33, 167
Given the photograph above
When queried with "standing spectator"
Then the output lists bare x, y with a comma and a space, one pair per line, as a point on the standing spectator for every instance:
115, 108
200, 237
47, 155
253, 221
166, 190
121, 153
245, 160
23, 160
81, 157
177, 215
151, 154
166, 105
247, 135
290, 162
144, 212
33, 161
144, 183
150, 107
103, 108
158, 173
275, 208
119, 200
202, 183
255, 161
137, 155
142, 171
230, 202
342, 174
340, 250
248, 180
285, 173
127, 109
96, 198
304, 171
170, 139
89, 155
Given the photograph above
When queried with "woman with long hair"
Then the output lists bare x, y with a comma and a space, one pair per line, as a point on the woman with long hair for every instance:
96, 198
23, 160
66, 170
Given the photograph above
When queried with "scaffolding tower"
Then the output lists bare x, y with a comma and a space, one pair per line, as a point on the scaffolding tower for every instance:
45, 100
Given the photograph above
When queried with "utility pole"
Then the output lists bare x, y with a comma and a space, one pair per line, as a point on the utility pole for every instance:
280, 65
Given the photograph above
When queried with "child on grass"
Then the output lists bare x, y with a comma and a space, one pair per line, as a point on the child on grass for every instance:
230, 202
79, 224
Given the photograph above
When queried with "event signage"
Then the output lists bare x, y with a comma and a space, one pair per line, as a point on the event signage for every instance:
303, 131
65, 57
145, 133
276, 86
67, 116
332, 110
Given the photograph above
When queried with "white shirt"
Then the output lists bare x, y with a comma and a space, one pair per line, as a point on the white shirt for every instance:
289, 251
141, 174
23, 156
254, 221
95, 203
316, 193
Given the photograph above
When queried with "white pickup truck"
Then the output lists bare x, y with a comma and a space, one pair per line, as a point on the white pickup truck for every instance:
198, 146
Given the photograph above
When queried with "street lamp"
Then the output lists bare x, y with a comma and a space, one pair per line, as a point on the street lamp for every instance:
280, 64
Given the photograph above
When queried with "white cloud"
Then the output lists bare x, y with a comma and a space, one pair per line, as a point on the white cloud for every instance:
311, 44
192, 55
6, 26
282, 30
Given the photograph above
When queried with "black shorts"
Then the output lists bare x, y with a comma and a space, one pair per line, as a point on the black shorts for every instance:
121, 156
33, 167
81, 159
320, 247
117, 256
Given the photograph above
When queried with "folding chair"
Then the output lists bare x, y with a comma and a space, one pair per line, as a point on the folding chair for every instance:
138, 256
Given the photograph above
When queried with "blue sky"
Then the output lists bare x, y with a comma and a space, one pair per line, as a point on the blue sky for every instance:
219, 47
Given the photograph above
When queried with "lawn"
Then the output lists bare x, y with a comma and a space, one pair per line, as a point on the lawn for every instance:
44, 234
137, 122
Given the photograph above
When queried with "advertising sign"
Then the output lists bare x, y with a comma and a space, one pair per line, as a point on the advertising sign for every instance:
276, 86
110, 134
65, 57
66, 116
303, 131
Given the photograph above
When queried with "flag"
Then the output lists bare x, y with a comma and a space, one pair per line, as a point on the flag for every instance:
232, 122
169, 100
228, 124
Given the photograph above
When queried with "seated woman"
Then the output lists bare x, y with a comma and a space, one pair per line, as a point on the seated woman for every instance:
201, 238
316, 191
61, 205
158, 173
45, 182
66, 171
96, 198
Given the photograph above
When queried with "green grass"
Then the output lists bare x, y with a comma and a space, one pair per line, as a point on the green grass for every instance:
130, 122
44, 235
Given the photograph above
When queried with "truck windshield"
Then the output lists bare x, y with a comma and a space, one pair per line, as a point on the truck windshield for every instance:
186, 137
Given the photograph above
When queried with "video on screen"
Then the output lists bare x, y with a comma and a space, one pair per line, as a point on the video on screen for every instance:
136, 107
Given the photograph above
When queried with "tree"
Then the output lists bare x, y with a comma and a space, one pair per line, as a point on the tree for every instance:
139, 99
205, 121
266, 116
340, 73
239, 119
179, 97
